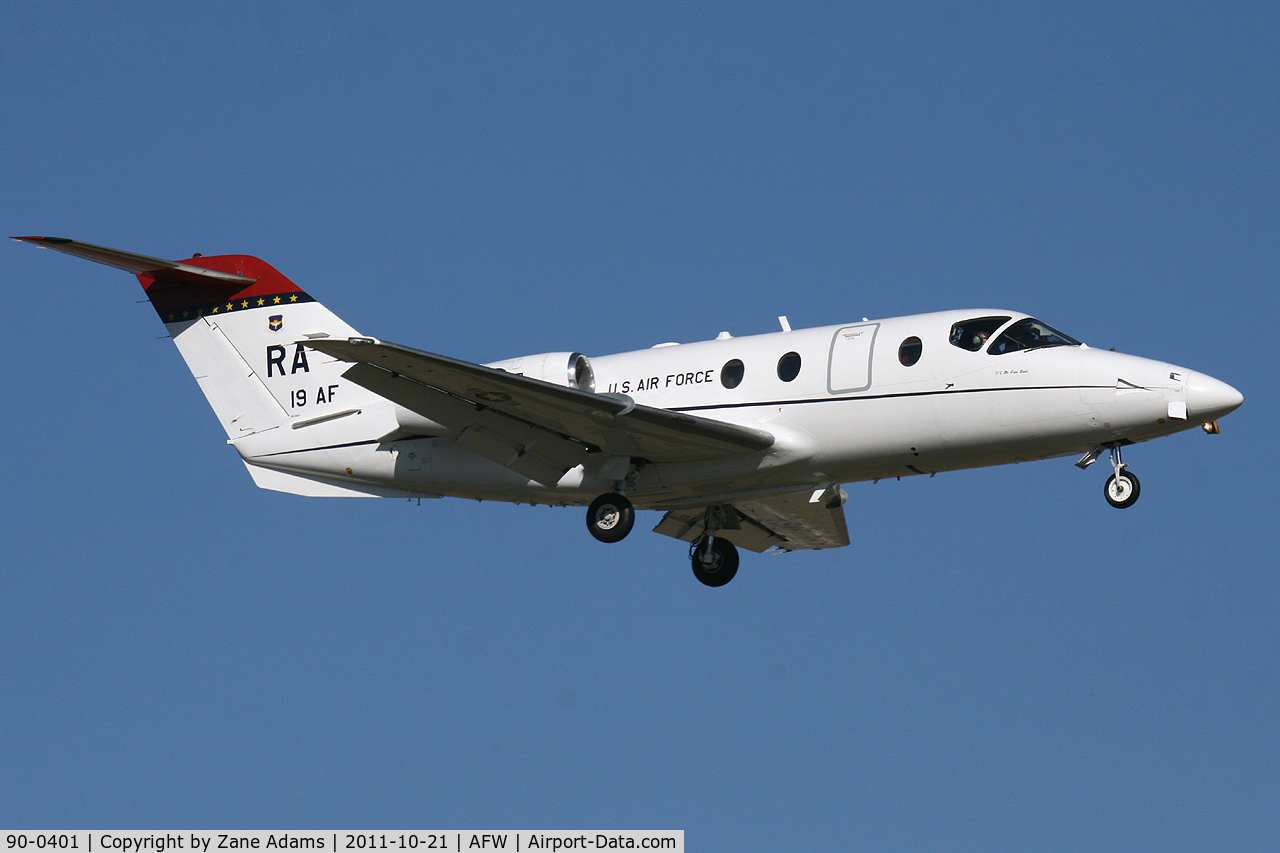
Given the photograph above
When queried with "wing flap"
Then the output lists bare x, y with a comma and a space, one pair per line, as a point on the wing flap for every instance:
788, 521
804, 525
457, 393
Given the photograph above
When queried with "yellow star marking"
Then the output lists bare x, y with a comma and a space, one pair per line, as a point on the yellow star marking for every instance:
276, 300
200, 313
244, 304
293, 298
185, 314
215, 310
230, 305
261, 301
171, 317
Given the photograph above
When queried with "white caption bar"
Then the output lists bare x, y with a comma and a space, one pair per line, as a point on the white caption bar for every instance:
337, 841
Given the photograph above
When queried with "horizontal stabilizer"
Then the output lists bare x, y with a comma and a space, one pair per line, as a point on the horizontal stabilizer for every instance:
196, 287
157, 268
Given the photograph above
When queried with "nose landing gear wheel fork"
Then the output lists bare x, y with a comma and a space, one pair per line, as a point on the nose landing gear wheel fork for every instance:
717, 568
1122, 489
610, 518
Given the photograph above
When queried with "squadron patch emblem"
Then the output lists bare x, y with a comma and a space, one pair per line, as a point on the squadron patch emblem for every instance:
275, 322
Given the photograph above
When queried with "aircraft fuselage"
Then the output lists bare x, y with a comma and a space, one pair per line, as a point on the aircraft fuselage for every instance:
744, 442
852, 412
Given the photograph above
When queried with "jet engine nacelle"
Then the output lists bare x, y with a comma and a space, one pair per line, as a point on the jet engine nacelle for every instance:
570, 369
567, 369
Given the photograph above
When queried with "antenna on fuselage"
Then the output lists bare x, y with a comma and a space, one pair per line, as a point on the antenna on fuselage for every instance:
786, 324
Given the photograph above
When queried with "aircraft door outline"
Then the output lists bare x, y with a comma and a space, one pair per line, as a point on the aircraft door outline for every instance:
849, 361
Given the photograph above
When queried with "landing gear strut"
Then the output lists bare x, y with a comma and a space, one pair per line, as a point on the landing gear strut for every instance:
1122, 487
715, 560
610, 518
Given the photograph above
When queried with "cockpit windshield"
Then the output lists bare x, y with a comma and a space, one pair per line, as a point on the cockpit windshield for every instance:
1030, 334
972, 334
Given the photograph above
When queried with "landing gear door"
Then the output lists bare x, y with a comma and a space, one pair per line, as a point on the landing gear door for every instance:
849, 369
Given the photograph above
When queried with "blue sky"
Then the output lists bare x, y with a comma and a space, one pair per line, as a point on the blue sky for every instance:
1000, 661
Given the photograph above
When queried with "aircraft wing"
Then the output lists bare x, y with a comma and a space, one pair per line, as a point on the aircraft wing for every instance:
536, 428
787, 521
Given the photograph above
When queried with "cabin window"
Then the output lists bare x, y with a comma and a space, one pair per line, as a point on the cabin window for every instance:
731, 374
1030, 334
789, 366
909, 351
972, 334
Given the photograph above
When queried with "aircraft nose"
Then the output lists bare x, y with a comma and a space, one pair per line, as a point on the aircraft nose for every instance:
1209, 399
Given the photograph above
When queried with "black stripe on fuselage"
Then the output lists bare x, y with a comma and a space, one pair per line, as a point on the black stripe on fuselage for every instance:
880, 397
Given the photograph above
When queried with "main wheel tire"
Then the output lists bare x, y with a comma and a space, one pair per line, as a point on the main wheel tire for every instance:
722, 566
1122, 490
610, 518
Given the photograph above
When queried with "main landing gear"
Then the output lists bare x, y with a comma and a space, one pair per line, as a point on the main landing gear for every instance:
610, 518
715, 560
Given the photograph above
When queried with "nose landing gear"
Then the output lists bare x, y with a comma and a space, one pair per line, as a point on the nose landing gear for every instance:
1122, 487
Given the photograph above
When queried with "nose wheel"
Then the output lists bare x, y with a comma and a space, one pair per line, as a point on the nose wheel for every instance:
1122, 487
1122, 490
610, 518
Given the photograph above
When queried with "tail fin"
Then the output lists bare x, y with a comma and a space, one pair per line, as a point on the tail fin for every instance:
242, 328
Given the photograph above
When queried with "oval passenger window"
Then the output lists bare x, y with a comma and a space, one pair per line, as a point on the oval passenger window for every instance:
789, 366
909, 352
731, 374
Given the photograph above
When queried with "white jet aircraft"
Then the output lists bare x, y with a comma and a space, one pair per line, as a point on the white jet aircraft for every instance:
740, 441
